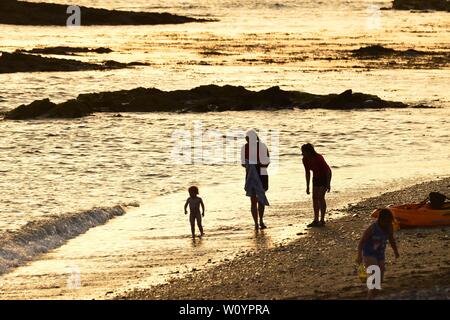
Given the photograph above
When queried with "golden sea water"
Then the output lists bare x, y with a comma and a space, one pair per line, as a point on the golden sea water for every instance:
50, 168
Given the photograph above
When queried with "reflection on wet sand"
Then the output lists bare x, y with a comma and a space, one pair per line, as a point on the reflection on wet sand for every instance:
262, 240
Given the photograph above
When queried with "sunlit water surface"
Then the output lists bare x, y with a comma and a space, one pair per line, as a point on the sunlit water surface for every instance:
55, 167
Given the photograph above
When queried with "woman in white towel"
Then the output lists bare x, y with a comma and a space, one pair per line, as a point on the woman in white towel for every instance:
255, 158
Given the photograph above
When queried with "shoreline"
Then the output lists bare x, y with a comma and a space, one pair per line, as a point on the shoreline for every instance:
320, 264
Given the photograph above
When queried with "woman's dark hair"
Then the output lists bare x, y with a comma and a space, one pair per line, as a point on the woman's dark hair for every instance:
385, 214
193, 190
308, 147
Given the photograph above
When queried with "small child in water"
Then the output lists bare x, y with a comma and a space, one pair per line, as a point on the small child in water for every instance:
195, 202
372, 246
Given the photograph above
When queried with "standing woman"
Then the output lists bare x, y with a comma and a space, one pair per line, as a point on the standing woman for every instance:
312, 161
255, 159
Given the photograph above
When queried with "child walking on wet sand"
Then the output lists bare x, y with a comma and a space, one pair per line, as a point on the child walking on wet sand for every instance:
372, 246
195, 202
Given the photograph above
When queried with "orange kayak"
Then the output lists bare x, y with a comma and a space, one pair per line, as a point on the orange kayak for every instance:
418, 215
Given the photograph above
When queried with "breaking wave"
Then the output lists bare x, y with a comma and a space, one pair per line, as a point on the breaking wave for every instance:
38, 237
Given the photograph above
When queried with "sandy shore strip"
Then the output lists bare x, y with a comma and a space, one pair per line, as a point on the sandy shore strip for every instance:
320, 264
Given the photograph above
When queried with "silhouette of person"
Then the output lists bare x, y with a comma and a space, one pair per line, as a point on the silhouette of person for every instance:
312, 161
255, 158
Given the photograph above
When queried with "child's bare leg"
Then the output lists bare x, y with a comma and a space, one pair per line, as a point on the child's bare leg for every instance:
261, 208
316, 203
192, 221
322, 203
254, 208
199, 224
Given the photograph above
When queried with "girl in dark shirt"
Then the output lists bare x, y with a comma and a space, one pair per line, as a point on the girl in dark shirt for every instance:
312, 161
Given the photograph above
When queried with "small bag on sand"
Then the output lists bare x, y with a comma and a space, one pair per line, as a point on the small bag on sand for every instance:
437, 200
362, 273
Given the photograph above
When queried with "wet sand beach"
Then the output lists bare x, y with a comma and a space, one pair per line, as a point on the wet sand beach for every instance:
320, 264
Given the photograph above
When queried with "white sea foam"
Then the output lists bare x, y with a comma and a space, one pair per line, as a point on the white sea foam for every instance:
37, 237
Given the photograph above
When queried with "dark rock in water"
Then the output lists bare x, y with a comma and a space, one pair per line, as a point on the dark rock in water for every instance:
61, 50
374, 50
199, 99
349, 100
28, 13
378, 50
377, 56
342, 99
34, 110
440, 5
47, 109
415, 53
21, 62
69, 109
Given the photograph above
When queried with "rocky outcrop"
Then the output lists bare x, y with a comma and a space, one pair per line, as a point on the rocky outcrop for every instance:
66, 51
374, 50
380, 51
200, 99
346, 100
47, 109
28, 13
440, 5
21, 62
377, 57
